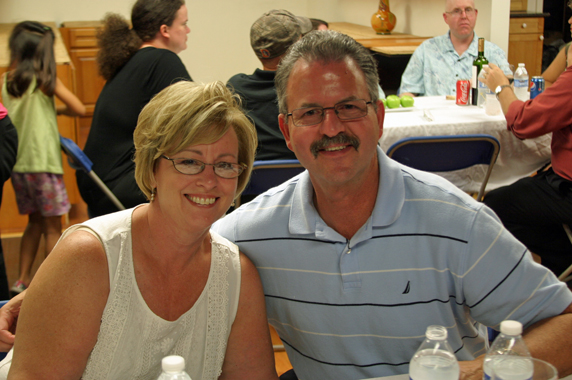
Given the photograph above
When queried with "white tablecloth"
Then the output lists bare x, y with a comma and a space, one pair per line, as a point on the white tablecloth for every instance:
517, 159
406, 377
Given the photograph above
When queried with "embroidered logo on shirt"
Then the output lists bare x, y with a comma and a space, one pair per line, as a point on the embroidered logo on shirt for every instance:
407, 288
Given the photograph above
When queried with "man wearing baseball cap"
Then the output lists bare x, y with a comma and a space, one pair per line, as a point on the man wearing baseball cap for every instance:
270, 36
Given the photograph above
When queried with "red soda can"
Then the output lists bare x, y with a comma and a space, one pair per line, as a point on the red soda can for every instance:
463, 92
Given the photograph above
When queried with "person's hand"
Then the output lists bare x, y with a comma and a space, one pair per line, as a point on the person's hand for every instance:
8, 320
472, 370
493, 77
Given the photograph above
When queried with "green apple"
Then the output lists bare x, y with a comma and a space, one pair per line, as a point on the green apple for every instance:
393, 101
407, 101
384, 102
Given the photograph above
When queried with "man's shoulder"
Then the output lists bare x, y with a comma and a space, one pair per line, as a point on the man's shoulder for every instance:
260, 79
434, 188
433, 45
262, 216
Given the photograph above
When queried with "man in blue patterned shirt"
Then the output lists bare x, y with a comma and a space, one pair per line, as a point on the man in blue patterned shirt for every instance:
439, 62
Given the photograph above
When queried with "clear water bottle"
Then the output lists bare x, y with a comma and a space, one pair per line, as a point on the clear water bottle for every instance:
483, 90
173, 368
521, 83
508, 354
435, 359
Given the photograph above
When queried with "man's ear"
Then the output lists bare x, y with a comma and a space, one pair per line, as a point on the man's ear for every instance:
285, 129
380, 116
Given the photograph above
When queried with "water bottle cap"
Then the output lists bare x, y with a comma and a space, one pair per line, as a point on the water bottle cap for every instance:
521, 65
173, 363
511, 327
436, 333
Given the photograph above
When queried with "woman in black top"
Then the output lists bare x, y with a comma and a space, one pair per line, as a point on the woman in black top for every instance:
137, 64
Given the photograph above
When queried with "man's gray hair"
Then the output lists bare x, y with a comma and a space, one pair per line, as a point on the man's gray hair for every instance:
325, 46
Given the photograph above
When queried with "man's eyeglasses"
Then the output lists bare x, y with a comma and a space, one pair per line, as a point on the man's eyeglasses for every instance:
457, 12
308, 116
221, 169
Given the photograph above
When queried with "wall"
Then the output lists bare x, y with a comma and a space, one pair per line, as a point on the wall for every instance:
219, 47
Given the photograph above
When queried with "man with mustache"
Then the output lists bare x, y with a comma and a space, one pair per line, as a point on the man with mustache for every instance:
439, 62
359, 254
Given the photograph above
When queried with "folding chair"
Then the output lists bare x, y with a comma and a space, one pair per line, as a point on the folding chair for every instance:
447, 153
565, 276
268, 174
79, 161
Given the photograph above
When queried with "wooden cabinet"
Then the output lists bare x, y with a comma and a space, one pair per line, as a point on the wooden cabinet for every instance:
10, 219
518, 5
526, 36
80, 39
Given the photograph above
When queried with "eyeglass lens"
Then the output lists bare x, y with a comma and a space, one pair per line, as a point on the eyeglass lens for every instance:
222, 169
354, 109
468, 11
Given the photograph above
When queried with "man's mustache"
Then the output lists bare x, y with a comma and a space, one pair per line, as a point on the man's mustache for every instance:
326, 141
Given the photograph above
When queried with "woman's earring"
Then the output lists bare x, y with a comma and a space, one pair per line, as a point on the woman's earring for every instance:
232, 204
153, 192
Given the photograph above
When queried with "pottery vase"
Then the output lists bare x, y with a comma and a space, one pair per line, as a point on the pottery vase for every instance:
383, 21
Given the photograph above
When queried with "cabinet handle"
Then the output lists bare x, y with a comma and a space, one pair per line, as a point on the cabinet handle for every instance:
524, 25
541, 37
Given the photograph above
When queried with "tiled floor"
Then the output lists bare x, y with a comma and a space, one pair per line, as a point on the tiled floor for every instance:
11, 246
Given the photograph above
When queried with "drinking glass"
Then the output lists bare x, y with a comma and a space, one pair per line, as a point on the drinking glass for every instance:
541, 370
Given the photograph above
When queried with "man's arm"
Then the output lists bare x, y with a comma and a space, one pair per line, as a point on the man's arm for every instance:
412, 78
548, 339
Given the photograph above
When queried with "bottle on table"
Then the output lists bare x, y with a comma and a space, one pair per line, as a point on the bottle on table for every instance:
477, 67
483, 90
173, 368
435, 359
521, 83
508, 354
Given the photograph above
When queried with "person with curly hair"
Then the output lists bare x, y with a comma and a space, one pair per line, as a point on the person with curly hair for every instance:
137, 62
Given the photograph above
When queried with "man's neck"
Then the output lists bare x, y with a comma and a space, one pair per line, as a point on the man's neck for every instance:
271, 64
346, 209
461, 44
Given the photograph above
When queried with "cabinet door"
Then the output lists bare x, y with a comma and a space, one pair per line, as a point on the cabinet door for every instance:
525, 43
527, 49
89, 84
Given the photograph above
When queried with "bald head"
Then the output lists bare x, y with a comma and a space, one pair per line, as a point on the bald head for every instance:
452, 4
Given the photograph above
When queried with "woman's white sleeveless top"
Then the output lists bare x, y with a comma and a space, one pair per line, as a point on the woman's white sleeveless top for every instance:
132, 340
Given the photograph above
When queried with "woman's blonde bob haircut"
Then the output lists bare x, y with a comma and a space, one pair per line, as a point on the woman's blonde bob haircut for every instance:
185, 114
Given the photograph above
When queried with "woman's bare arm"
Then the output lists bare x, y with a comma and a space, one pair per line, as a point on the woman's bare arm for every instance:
60, 320
557, 66
249, 352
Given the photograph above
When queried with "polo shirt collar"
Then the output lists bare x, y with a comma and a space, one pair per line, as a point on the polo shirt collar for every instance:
304, 218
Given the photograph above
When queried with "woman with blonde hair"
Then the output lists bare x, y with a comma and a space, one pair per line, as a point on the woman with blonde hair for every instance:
153, 280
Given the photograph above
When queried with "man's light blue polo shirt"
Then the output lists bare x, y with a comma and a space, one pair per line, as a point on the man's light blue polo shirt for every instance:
435, 66
429, 254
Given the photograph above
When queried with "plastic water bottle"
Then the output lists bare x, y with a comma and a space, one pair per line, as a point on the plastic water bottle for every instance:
435, 359
521, 83
508, 354
173, 368
483, 90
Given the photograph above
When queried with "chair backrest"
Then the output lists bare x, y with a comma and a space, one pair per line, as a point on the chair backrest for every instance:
271, 173
77, 159
447, 153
